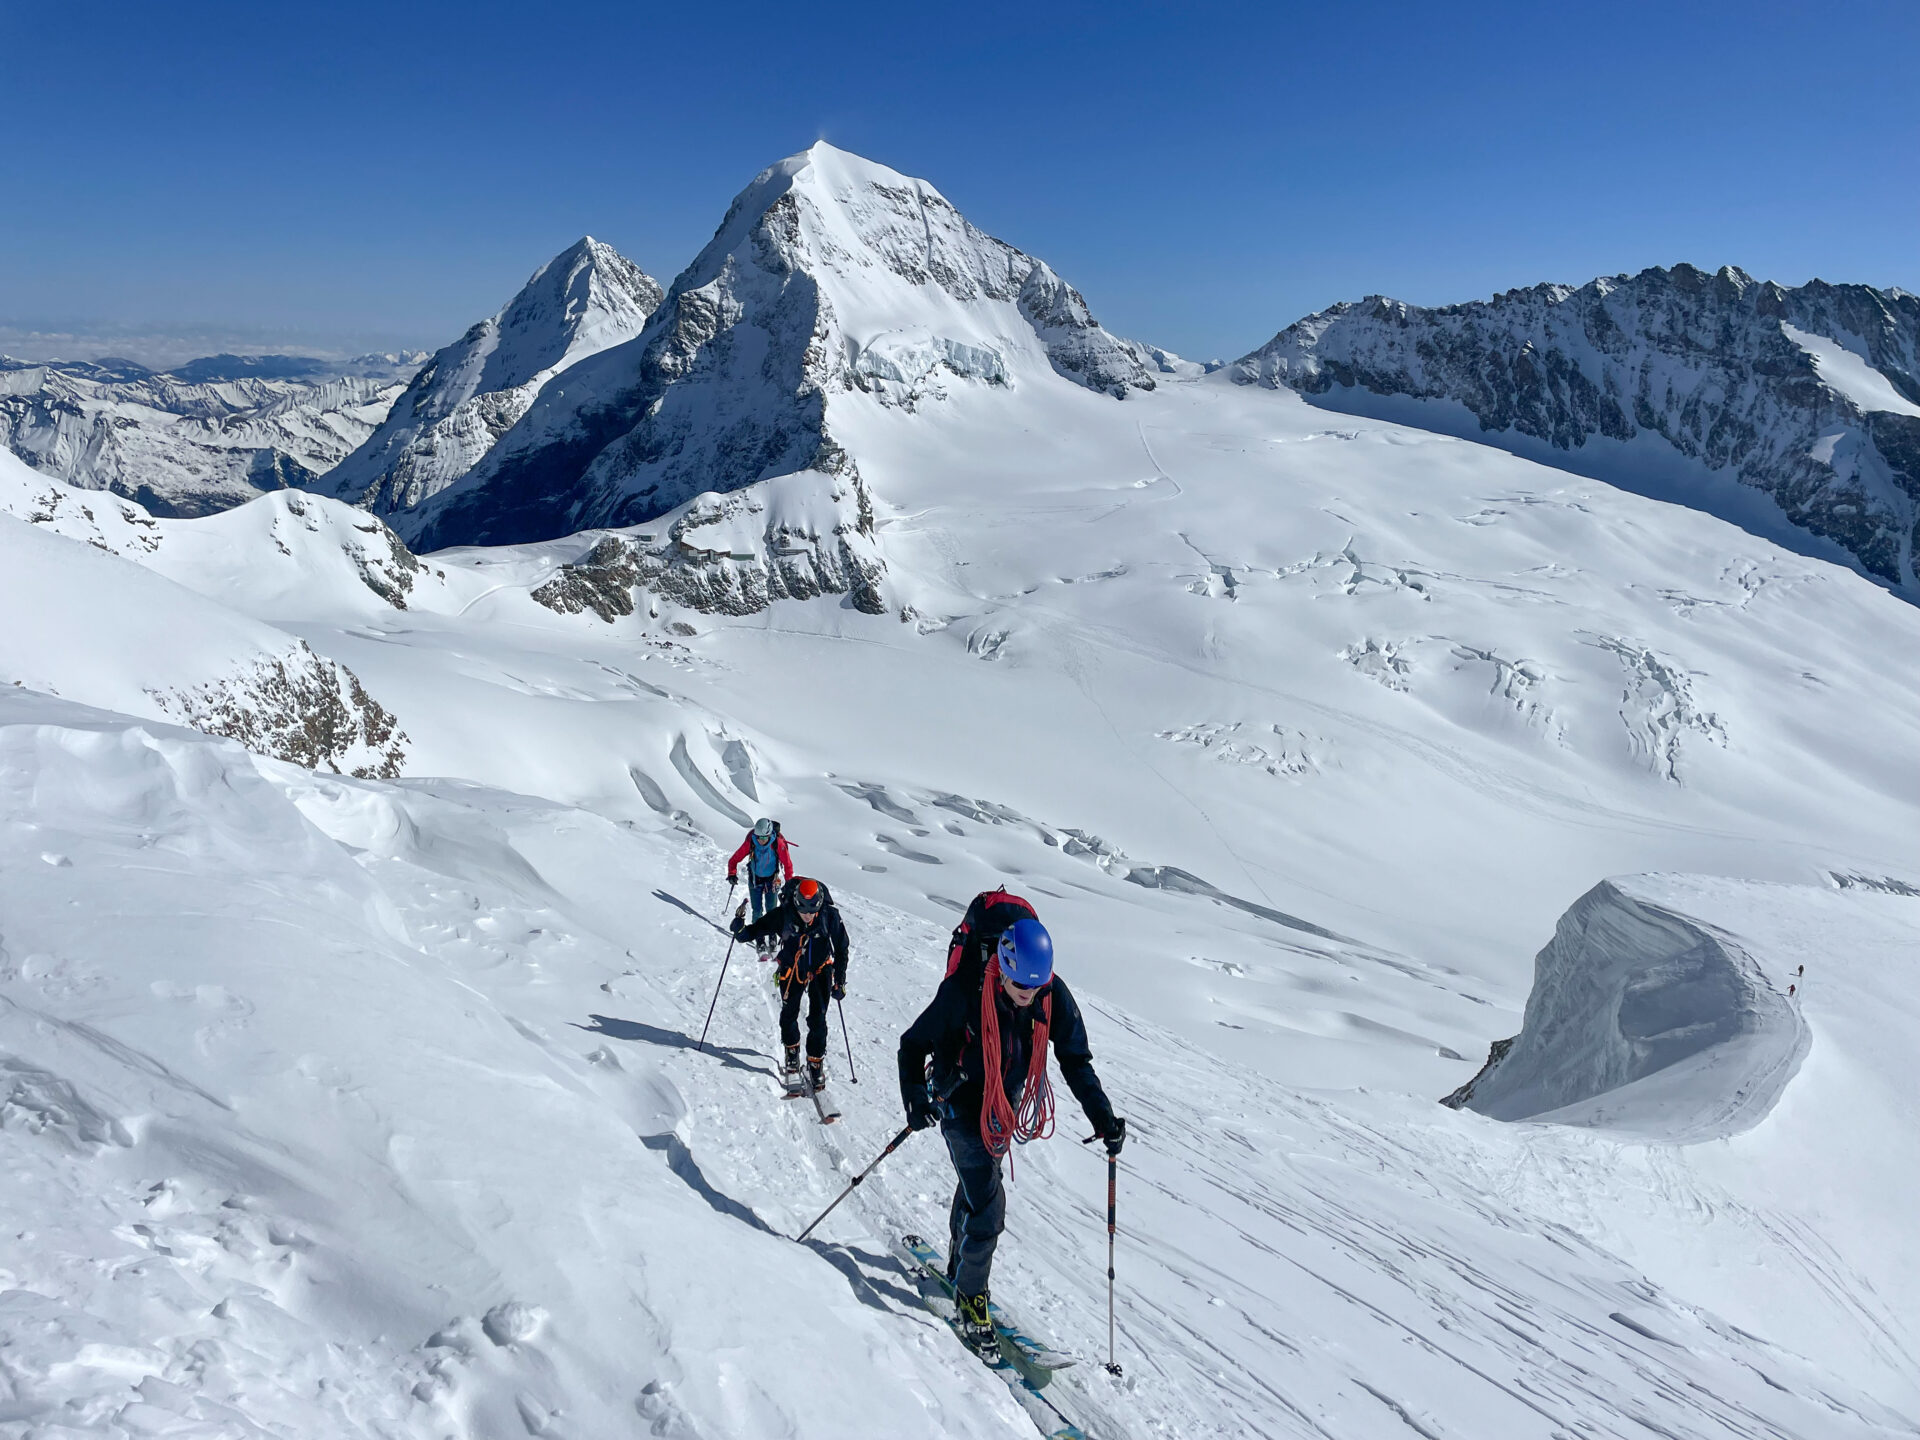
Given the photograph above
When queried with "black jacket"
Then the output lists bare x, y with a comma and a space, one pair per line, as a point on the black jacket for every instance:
948, 1031
804, 950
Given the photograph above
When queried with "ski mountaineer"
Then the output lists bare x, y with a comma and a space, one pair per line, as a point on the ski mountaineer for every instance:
986, 1034
810, 961
765, 851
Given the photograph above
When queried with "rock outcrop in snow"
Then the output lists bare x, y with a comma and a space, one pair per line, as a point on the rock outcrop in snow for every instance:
199, 439
1809, 395
585, 299
1644, 1021
82, 576
830, 278
792, 538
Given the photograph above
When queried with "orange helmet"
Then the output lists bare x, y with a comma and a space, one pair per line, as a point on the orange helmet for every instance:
809, 896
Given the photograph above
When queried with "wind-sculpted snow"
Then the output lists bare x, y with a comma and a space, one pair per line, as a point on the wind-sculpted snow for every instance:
830, 278
585, 299
1644, 1022
185, 447
1811, 395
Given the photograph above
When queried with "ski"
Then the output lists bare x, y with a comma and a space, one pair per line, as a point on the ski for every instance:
937, 1296
800, 1087
1033, 1357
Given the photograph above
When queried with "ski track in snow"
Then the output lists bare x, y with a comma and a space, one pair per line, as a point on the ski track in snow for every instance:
1276, 1246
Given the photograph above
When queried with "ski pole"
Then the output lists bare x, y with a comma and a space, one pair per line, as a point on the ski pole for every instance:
702, 1046
841, 1007
1113, 1169
892, 1145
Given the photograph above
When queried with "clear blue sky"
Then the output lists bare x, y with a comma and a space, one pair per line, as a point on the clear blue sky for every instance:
1204, 172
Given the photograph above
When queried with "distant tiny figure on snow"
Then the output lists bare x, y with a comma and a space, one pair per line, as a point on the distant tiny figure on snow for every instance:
765, 851
810, 961
975, 1062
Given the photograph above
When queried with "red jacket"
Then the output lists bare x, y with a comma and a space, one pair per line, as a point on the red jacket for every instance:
746, 846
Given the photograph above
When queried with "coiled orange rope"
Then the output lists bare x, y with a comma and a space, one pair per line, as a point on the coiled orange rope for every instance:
1002, 1123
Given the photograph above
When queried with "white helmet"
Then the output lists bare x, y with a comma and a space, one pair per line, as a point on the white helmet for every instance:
763, 828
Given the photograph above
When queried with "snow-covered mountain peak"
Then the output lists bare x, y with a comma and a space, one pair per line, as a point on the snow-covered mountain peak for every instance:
860, 226
833, 284
586, 298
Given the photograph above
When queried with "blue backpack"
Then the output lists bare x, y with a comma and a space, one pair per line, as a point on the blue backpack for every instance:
764, 860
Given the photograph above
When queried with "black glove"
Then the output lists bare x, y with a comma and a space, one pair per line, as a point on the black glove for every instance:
739, 921
1115, 1134
920, 1111
840, 991
732, 880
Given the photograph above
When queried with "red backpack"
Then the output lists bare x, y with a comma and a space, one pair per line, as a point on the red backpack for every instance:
991, 913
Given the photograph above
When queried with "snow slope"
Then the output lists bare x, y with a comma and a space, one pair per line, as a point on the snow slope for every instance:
94, 627
391, 1125
585, 299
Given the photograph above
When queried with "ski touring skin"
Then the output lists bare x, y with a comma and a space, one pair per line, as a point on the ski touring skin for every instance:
1033, 1357
937, 1296
800, 1086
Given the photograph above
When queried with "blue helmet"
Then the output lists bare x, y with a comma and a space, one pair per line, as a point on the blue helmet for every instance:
1026, 953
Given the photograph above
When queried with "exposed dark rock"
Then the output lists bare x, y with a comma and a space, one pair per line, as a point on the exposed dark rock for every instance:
1495, 1054
303, 709
602, 581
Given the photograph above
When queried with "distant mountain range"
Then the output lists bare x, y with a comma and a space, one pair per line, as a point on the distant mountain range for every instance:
836, 290
199, 438
1656, 381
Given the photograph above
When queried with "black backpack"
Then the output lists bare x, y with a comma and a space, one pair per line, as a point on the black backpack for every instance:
991, 913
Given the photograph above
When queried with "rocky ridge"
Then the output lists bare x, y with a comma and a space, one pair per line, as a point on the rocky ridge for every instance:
1809, 395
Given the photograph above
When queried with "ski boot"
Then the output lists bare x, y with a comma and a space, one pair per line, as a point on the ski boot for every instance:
817, 1071
975, 1325
790, 1071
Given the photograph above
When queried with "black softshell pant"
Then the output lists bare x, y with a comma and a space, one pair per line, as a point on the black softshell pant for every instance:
819, 990
979, 1207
